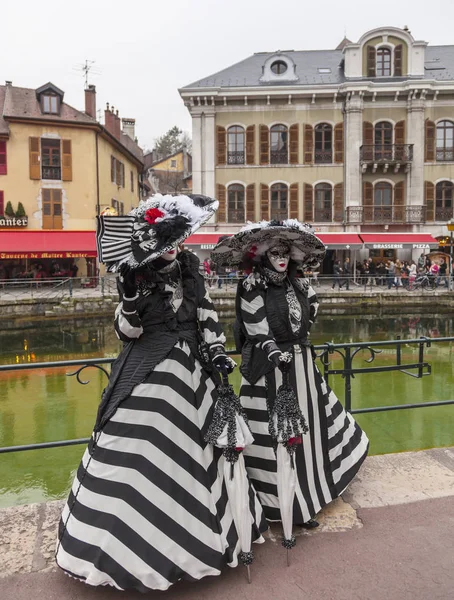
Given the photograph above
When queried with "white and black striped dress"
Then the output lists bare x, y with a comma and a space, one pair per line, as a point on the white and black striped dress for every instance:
333, 450
149, 506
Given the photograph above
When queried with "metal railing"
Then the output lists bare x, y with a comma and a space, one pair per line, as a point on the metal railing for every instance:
235, 157
278, 157
386, 214
56, 287
349, 353
386, 153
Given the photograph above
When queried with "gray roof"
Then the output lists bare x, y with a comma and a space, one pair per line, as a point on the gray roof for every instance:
247, 72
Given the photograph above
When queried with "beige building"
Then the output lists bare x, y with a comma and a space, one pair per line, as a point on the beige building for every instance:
59, 168
358, 140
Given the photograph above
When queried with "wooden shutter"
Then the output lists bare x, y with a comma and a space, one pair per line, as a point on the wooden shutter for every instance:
368, 202
429, 199
308, 144
399, 132
3, 163
294, 204
2, 203
35, 166
67, 164
371, 61
264, 145
398, 60
117, 172
399, 201
122, 174
221, 146
338, 212
52, 209
250, 202
221, 198
368, 141
308, 203
264, 202
429, 150
112, 169
250, 145
293, 144
339, 143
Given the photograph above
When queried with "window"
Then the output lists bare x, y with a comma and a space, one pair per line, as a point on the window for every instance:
118, 206
52, 209
323, 203
279, 148
50, 159
235, 140
383, 203
173, 164
383, 140
445, 141
323, 143
324, 70
383, 62
117, 171
235, 204
50, 104
132, 180
279, 201
3, 169
444, 193
279, 67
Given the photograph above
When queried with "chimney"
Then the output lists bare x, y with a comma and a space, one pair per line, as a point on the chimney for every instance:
90, 101
8, 83
117, 129
129, 126
109, 119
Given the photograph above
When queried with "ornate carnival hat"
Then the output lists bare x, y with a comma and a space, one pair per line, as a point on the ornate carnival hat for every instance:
255, 239
156, 226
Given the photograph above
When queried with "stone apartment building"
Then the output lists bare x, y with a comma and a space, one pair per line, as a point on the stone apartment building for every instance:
358, 141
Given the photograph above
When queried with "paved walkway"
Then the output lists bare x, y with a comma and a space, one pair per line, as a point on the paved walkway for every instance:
391, 537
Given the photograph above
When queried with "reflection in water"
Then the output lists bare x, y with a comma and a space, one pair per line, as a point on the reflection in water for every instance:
44, 405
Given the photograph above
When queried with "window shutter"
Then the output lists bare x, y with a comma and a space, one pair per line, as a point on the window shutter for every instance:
47, 209
368, 194
339, 143
264, 145
399, 201
3, 165
264, 202
338, 212
112, 169
220, 196
294, 143
117, 172
308, 203
308, 144
371, 61
429, 197
122, 174
2, 203
250, 145
399, 132
67, 163
429, 150
250, 202
35, 167
57, 217
221, 146
398, 61
368, 140
294, 208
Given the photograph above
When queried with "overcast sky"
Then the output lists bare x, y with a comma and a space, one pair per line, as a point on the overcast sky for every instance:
146, 49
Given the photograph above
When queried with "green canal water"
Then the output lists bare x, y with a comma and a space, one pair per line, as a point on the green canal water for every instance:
45, 405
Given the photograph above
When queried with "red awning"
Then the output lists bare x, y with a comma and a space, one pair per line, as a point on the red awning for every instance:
47, 244
339, 240
422, 241
204, 238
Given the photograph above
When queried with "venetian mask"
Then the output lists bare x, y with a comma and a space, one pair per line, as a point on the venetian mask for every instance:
170, 255
279, 257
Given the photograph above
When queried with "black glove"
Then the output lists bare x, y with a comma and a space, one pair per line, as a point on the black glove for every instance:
222, 364
128, 281
277, 359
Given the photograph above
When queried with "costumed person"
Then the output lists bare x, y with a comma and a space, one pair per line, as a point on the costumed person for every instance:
276, 308
149, 505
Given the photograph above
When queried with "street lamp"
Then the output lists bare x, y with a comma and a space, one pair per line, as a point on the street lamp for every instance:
450, 226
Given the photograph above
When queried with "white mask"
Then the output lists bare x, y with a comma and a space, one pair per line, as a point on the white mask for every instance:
279, 258
170, 255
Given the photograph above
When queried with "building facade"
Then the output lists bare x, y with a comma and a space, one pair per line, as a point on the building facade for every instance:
59, 168
355, 140
170, 174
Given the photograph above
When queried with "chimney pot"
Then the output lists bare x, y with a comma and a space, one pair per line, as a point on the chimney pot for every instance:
128, 126
8, 82
90, 101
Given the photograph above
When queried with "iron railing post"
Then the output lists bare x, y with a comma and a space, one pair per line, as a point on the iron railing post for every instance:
70, 288
348, 380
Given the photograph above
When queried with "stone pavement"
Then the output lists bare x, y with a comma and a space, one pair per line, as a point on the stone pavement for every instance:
391, 537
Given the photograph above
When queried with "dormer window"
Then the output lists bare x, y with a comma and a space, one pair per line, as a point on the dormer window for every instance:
279, 67
50, 104
383, 62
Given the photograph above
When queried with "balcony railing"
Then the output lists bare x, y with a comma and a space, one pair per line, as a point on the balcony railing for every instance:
443, 213
51, 173
236, 216
445, 155
386, 153
323, 157
323, 215
235, 158
387, 214
278, 157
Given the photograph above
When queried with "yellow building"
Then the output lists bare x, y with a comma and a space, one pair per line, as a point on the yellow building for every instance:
59, 168
169, 174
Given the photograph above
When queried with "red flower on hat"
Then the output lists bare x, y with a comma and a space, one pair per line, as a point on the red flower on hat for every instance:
152, 214
252, 251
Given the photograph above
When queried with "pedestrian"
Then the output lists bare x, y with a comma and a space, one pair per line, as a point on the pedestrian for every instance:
421, 261
434, 271
337, 271
372, 272
398, 273
276, 309
412, 274
442, 273
390, 268
149, 505
207, 271
347, 273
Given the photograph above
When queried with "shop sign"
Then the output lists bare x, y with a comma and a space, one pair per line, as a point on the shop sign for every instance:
421, 247
207, 246
13, 222
32, 255
387, 246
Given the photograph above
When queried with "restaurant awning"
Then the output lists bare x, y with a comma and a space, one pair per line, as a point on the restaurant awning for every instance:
207, 241
396, 241
47, 244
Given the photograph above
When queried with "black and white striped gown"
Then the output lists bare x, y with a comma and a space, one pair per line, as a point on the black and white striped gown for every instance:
149, 506
335, 447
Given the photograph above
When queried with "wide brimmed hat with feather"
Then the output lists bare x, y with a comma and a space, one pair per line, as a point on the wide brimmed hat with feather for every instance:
255, 239
156, 226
